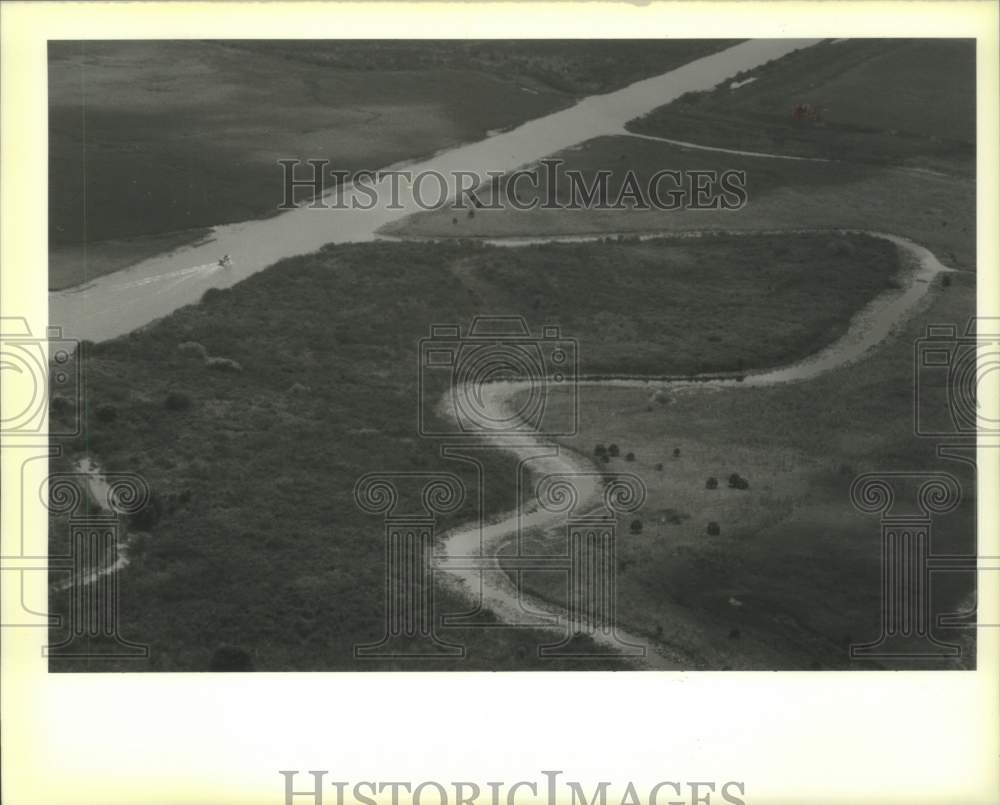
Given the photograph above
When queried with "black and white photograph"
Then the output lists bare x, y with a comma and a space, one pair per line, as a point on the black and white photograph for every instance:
513, 355
499, 403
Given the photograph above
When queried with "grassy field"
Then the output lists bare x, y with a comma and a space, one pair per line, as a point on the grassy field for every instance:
151, 139
254, 539
937, 211
793, 576
895, 101
631, 305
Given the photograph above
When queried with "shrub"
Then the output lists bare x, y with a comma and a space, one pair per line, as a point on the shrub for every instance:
636, 527
223, 364
212, 295
736, 481
677, 452
713, 529
106, 413
659, 467
946, 281
600, 450
193, 348
712, 483
613, 450
630, 457
149, 515
177, 401
674, 517
230, 658
605, 458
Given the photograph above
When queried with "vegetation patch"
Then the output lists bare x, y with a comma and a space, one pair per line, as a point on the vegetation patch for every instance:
772, 548
284, 565
884, 101
937, 211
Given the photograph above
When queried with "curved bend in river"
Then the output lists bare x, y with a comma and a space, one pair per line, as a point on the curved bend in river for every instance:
494, 590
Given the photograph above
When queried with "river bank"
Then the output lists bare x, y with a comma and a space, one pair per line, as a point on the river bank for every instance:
118, 303
871, 326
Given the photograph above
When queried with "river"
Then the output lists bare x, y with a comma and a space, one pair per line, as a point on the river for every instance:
119, 303
115, 304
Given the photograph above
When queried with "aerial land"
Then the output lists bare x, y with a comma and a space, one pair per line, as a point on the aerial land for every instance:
161, 139
790, 575
311, 367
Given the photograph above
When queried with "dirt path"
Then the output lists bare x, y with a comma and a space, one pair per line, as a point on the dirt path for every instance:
494, 590
761, 155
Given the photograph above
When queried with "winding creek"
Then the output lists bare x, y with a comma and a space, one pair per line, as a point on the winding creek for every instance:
494, 589
118, 303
